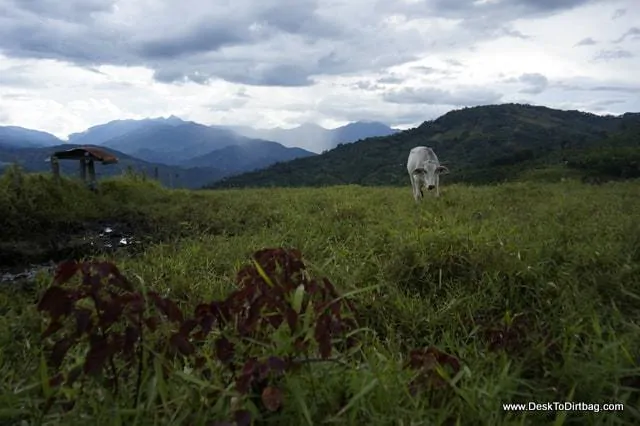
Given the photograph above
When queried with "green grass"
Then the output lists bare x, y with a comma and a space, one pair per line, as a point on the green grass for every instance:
555, 266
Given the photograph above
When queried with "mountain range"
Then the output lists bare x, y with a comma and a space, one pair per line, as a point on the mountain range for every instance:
480, 145
483, 144
176, 146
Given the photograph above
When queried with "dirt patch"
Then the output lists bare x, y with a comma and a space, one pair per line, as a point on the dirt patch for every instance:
21, 261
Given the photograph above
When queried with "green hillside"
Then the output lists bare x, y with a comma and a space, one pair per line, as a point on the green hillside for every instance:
483, 144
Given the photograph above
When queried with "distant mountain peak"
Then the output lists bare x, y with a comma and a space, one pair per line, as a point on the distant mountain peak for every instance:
309, 125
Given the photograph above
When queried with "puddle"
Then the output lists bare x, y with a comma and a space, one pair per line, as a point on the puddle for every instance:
95, 240
108, 238
20, 274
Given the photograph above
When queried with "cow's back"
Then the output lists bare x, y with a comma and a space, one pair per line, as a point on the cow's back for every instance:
418, 156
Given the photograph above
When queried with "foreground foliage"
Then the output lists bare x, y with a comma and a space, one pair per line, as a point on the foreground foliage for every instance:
386, 312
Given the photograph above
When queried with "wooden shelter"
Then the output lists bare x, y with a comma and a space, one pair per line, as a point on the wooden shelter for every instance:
86, 156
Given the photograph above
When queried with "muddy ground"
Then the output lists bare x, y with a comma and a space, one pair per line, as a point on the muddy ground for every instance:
21, 261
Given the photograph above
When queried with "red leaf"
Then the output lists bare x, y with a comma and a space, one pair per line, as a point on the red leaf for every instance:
97, 355
73, 375
246, 376
56, 301
56, 380
106, 269
254, 313
131, 336
111, 313
322, 335
292, 319
83, 321
202, 310
135, 302
172, 311
188, 326
60, 349
200, 362
330, 288
275, 320
220, 311
65, 271
180, 342
242, 417
224, 350
276, 364
152, 323
167, 307
243, 383
52, 328
272, 398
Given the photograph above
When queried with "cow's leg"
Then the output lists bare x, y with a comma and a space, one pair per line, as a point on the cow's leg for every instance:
413, 186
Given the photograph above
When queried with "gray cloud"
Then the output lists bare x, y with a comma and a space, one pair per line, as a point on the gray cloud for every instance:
582, 84
15, 76
609, 55
608, 102
424, 69
68, 10
232, 102
586, 42
619, 13
434, 96
604, 104
536, 82
633, 33
515, 33
368, 85
272, 42
393, 115
622, 89
454, 62
202, 38
390, 79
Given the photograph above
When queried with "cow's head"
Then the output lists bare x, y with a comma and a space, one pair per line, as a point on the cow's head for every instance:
432, 170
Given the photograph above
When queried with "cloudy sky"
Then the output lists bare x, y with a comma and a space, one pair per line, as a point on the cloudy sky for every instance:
68, 64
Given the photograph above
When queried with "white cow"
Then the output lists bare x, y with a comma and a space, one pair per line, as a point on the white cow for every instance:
424, 170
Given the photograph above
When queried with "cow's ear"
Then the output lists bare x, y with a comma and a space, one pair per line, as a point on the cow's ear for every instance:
443, 170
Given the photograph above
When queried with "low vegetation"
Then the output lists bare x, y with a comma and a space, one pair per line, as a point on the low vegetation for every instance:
346, 305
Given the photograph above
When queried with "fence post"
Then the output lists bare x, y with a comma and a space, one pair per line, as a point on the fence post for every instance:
55, 168
83, 169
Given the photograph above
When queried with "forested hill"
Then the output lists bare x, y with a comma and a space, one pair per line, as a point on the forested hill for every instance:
479, 144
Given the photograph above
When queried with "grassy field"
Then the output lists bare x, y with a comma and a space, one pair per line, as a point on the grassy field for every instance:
532, 289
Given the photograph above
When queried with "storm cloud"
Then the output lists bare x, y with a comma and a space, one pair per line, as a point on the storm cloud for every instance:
535, 82
270, 43
470, 96
67, 65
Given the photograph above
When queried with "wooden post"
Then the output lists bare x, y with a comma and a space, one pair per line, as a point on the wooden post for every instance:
92, 171
155, 173
83, 169
55, 168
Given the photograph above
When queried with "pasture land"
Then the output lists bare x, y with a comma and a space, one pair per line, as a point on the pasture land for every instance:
532, 289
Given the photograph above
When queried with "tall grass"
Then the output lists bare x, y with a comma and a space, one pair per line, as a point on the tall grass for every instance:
534, 287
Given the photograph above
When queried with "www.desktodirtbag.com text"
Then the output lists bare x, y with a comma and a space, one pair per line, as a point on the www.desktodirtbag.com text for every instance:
563, 406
